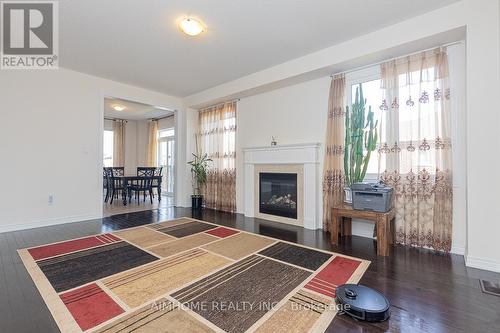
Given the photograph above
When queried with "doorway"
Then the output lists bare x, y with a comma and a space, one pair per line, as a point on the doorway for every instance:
126, 143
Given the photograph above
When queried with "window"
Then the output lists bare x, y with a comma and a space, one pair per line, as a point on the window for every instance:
216, 138
108, 149
398, 130
218, 135
414, 124
370, 82
373, 94
229, 141
166, 133
166, 156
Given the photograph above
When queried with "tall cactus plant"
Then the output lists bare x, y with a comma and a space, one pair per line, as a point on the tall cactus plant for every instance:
361, 137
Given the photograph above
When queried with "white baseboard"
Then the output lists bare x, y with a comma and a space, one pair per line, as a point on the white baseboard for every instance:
458, 250
48, 222
482, 263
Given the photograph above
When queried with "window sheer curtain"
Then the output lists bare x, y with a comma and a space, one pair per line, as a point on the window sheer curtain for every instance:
418, 147
152, 152
119, 143
333, 166
217, 136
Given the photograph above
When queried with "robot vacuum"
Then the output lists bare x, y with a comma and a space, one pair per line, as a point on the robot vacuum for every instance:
362, 303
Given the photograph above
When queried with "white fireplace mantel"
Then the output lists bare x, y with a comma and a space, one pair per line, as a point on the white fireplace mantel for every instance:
307, 157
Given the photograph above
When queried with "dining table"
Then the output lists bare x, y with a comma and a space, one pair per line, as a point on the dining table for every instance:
127, 180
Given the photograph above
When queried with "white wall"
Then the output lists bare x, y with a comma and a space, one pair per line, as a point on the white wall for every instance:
141, 143
295, 114
50, 143
483, 140
190, 120
108, 125
166, 123
131, 147
457, 66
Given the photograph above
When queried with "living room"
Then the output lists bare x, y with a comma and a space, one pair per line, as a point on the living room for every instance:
276, 112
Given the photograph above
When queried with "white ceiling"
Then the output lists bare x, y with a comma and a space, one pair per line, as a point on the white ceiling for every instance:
133, 110
138, 42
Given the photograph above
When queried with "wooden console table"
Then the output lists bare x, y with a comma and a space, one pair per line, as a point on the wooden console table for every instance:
342, 221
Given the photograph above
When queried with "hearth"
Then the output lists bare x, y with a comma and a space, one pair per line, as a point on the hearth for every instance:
278, 194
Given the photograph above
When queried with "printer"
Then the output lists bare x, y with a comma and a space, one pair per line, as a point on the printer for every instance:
375, 197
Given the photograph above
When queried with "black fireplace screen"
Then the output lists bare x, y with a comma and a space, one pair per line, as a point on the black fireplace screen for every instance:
278, 194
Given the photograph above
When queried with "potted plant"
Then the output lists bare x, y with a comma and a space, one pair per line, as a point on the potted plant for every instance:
361, 136
199, 166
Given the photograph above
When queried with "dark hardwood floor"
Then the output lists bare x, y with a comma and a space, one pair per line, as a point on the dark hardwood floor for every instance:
428, 292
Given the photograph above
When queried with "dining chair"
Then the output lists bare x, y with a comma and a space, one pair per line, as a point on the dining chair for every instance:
105, 183
143, 184
119, 171
115, 185
141, 171
158, 173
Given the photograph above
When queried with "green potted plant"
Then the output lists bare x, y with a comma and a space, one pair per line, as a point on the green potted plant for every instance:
199, 167
361, 136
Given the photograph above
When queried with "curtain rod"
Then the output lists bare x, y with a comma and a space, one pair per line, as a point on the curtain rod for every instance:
387, 60
171, 115
115, 119
221, 103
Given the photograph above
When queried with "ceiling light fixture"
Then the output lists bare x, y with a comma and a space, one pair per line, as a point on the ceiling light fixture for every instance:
191, 26
118, 107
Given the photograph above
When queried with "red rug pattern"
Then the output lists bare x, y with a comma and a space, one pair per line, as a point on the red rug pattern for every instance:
335, 273
222, 232
90, 306
57, 249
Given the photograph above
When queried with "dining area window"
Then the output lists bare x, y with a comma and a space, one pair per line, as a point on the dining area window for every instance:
166, 158
107, 150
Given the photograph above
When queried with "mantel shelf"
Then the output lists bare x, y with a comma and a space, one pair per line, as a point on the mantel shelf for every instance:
284, 147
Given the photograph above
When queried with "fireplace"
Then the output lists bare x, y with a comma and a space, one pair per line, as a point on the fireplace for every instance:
278, 194
301, 160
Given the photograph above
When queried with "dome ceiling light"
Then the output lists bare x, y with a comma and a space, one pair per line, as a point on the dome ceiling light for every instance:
191, 26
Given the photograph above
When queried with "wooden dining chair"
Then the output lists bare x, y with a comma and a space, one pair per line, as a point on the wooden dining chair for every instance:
119, 171
143, 184
115, 185
105, 182
157, 181
141, 171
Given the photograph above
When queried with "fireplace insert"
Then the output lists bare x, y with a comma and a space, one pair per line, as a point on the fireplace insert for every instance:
278, 194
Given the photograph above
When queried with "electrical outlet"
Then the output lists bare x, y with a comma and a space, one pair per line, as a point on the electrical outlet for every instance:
51, 199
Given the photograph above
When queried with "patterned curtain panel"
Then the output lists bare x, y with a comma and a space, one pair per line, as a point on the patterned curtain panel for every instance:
418, 147
217, 139
119, 143
333, 170
152, 151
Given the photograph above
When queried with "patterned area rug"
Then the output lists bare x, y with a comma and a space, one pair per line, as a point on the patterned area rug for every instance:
186, 275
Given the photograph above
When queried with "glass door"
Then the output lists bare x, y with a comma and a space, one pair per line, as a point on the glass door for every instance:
166, 153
